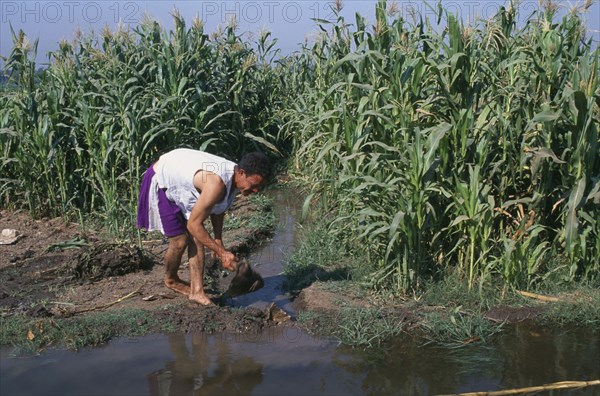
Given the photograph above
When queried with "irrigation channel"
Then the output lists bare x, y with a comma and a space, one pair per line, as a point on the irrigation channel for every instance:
289, 361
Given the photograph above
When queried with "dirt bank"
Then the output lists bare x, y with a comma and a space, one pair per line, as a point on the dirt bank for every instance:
55, 274
319, 298
56, 271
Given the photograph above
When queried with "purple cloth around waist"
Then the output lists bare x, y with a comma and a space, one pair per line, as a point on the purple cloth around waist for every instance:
173, 221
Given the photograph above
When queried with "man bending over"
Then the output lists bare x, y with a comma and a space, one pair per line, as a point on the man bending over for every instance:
183, 189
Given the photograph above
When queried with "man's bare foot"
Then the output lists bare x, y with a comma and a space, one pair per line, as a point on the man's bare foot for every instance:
201, 299
178, 285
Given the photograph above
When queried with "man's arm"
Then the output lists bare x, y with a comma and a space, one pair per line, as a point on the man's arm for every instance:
217, 223
212, 191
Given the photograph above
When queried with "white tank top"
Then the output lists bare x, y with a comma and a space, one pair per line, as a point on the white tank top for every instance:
176, 169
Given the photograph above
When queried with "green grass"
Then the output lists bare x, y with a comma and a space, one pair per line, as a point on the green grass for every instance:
365, 327
27, 334
449, 313
308, 316
456, 328
262, 219
578, 307
231, 222
345, 286
353, 326
453, 290
318, 257
264, 202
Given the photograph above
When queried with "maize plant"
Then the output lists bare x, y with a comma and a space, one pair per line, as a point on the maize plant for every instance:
466, 147
76, 137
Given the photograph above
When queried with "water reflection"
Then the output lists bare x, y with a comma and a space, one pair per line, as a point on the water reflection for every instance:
407, 368
533, 356
204, 370
291, 360
523, 356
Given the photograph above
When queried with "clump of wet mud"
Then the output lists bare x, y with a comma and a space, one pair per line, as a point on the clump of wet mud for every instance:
504, 314
213, 319
108, 259
245, 280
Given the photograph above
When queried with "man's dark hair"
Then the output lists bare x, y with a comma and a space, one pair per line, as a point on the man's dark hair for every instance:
256, 163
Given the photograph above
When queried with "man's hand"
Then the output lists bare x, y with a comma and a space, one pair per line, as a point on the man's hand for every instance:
229, 261
216, 255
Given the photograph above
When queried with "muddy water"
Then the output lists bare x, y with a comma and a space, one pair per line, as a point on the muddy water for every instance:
269, 258
291, 362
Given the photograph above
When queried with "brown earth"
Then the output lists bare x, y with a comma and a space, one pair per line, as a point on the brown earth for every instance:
55, 270
503, 314
408, 315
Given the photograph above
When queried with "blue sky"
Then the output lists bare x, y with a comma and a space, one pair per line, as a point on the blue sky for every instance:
291, 22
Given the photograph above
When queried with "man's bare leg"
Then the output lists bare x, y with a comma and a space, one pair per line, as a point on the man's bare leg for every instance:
177, 245
196, 256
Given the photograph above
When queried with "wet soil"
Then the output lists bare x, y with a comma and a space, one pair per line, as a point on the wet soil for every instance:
55, 270
325, 307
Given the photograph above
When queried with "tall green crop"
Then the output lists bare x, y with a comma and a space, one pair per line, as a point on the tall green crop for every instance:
77, 136
469, 147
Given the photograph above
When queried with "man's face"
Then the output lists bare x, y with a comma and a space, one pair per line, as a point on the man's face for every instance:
249, 184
